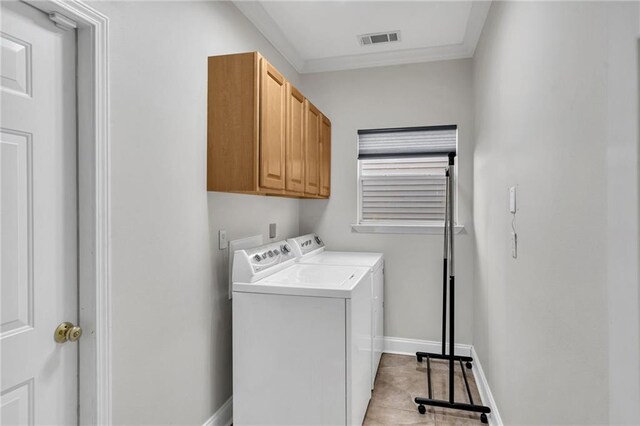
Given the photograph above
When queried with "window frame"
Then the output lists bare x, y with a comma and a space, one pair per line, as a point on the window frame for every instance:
407, 227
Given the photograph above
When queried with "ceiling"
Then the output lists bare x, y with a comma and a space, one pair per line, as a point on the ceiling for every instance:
318, 36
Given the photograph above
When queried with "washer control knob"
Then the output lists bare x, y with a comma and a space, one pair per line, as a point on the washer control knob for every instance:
257, 258
270, 253
276, 252
284, 249
318, 240
264, 255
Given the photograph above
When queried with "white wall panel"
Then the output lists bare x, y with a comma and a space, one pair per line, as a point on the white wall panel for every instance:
433, 93
556, 114
171, 313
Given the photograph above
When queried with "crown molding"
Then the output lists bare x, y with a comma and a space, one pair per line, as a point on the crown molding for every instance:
475, 24
381, 59
255, 12
259, 17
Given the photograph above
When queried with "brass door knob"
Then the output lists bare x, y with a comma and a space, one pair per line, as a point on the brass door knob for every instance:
67, 331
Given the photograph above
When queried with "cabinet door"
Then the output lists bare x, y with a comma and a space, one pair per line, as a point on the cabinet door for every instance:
294, 158
272, 132
312, 149
325, 157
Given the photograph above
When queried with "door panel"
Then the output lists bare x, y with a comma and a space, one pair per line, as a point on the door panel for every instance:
17, 219
312, 149
325, 157
295, 140
272, 120
39, 217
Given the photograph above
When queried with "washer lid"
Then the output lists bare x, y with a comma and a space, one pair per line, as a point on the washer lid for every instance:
309, 280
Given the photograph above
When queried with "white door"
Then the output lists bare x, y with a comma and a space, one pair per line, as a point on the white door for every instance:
38, 218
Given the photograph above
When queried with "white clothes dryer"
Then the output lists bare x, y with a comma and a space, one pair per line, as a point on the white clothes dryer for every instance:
310, 249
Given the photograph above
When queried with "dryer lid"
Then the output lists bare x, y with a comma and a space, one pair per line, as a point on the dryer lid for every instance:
320, 276
370, 260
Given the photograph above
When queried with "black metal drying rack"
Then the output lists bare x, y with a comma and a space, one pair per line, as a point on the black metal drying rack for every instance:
448, 266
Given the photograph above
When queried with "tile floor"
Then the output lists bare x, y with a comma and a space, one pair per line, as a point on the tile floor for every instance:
401, 378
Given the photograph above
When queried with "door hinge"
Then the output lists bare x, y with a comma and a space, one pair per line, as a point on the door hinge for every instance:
62, 21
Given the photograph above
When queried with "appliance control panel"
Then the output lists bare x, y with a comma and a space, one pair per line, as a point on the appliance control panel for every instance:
306, 244
269, 255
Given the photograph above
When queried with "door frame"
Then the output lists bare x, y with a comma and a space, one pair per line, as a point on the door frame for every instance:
94, 207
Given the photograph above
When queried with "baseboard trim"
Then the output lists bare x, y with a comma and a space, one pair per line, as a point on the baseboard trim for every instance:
401, 346
485, 391
223, 416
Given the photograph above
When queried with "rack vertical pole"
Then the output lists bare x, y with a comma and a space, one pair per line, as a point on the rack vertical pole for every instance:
452, 292
444, 267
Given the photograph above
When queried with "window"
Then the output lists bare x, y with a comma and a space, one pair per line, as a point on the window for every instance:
401, 175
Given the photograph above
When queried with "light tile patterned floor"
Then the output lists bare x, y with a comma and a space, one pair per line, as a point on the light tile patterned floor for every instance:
401, 378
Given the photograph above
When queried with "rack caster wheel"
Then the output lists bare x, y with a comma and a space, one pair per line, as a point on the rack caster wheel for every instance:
419, 358
422, 409
483, 418
469, 365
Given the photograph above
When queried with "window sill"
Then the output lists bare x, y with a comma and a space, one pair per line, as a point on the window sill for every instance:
404, 229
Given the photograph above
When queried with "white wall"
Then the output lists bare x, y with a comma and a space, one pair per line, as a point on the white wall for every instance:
171, 315
407, 95
622, 212
554, 329
556, 114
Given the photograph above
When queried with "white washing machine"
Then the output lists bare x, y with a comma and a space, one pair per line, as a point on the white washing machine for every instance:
310, 249
298, 356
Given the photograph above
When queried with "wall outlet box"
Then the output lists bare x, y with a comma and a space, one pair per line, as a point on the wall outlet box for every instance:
222, 239
272, 230
514, 245
512, 199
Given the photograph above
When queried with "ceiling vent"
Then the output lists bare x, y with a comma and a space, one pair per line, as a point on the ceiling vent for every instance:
377, 38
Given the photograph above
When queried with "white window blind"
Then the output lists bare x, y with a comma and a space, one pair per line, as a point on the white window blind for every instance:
402, 175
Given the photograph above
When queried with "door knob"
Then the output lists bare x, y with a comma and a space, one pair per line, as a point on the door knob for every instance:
67, 331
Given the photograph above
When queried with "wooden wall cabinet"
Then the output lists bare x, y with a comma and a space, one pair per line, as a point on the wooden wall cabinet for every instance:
263, 136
